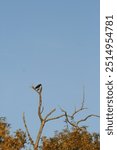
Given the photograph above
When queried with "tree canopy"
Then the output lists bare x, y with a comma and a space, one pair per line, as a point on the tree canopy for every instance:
76, 139
8, 141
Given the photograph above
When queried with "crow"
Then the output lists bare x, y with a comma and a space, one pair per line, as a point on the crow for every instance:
38, 87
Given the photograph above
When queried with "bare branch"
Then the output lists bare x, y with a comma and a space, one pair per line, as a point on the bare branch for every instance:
29, 136
75, 124
82, 105
57, 117
53, 110
40, 107
77, 111
67, 118
92, 115
42, 110
65, 112
40, 103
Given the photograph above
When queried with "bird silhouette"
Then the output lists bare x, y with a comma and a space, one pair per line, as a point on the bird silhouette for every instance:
38, 87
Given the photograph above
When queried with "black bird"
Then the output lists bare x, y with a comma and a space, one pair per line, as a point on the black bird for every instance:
38, 87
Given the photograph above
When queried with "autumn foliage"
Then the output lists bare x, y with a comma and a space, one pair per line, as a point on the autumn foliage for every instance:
77, 139
8, 141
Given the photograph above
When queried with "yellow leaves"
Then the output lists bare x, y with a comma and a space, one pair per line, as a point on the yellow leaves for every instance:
73, 140
10, 142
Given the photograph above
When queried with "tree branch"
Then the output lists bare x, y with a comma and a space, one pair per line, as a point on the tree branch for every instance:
92, 115
29, 136
67, 118
53, 110
55, 118
40, 103
82, 105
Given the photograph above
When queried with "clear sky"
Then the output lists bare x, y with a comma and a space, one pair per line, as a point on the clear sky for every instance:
55, 43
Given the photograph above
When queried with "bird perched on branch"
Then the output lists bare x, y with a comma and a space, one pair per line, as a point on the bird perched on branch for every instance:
38, 87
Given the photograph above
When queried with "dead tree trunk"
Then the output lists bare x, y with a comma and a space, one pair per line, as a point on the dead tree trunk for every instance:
42, 119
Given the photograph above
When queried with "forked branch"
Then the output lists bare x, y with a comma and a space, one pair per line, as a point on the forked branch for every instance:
70, 118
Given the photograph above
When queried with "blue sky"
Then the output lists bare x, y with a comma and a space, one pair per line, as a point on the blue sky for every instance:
55, 43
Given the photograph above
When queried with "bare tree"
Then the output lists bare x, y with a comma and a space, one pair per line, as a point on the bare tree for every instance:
44, 119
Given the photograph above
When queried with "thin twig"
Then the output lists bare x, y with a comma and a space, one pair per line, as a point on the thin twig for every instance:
82, 105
